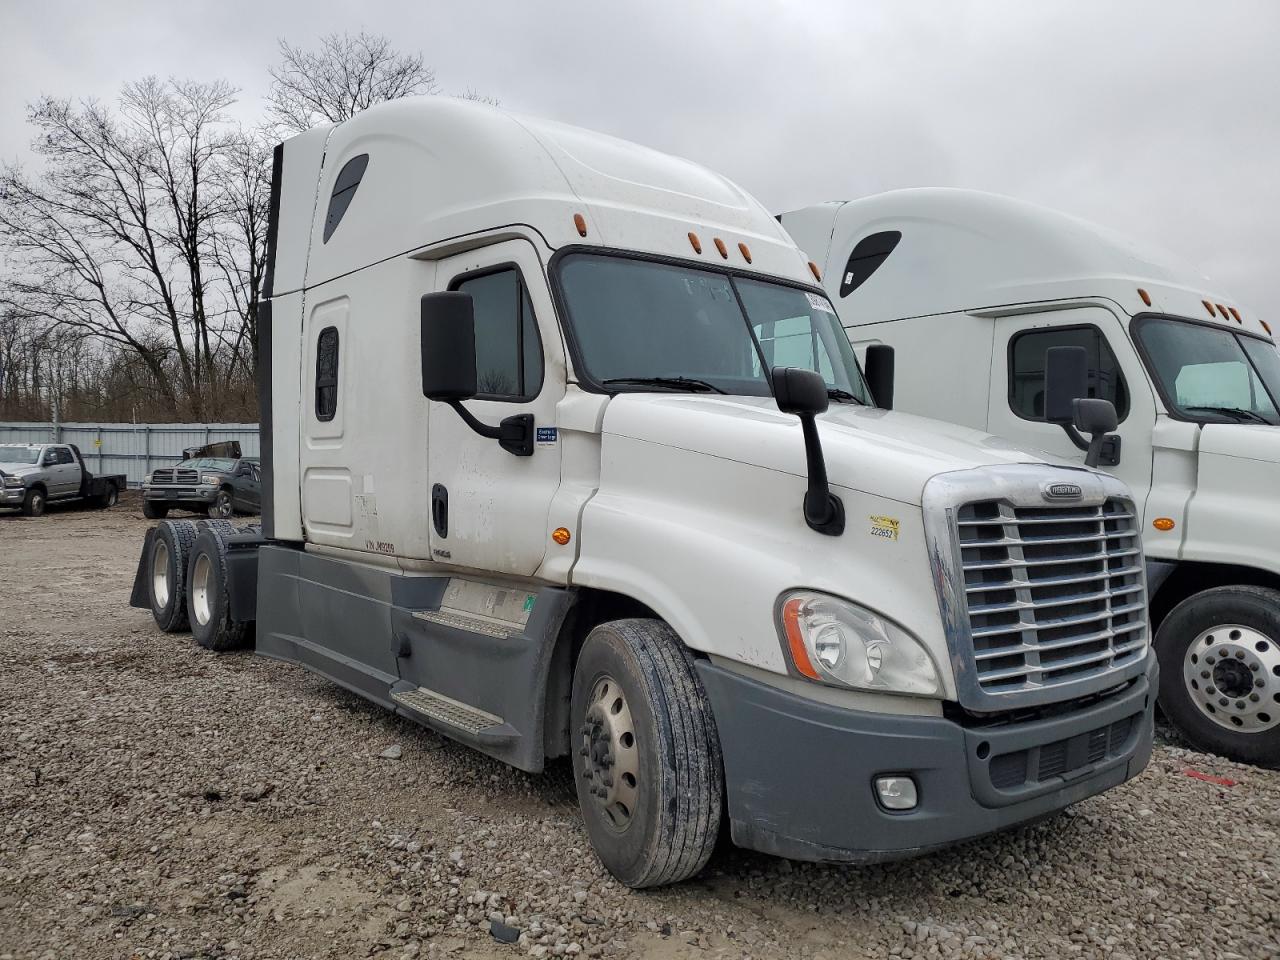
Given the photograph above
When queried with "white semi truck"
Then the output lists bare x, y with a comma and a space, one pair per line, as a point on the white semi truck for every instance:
564, 454
982, 295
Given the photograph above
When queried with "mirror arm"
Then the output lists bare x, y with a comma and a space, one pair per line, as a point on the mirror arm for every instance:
823, 510
514, 434
1076, 437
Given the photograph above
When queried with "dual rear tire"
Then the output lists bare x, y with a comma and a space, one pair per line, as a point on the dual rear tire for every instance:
187, 583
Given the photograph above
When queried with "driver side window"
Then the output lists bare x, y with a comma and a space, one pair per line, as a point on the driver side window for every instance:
1026, 368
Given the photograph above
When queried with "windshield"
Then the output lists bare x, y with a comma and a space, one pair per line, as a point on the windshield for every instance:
17, 454
1211, 373
643, 325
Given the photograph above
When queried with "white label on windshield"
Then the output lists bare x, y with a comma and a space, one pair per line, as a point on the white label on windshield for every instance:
819, 303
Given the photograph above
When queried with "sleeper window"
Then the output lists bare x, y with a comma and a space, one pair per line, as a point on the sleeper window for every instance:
1026, 368
327, 374
508, 352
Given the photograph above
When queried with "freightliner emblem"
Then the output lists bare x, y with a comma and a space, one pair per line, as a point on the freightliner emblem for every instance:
1062, 491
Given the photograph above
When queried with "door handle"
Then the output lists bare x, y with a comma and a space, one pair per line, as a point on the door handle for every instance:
440, 510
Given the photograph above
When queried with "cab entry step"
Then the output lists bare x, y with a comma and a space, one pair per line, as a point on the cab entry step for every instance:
453, 713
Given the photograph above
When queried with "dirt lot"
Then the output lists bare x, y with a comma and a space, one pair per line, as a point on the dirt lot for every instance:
157, 800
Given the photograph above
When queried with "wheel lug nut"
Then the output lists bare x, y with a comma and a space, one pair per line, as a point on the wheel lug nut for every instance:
1254, 697
1204, 674
1222, 701
1210, 689
1222, 652
1209, 660
1255, 667
1259, 683
1239, 654
1239, 704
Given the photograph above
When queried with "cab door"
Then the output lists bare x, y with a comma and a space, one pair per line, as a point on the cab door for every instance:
489, 507
1016, 404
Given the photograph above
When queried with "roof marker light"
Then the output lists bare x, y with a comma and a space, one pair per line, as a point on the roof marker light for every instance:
1236, 313
1266, 326
746, 253
724, 251
695, 242
1146, 297
1223, 310
1209, 306
817, 274
580, 222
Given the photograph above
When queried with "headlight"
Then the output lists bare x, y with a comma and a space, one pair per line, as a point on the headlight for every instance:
834, 641
210, 479
13, 481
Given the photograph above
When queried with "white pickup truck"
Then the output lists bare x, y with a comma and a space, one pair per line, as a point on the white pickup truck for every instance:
978, 294
566, 455
33, 475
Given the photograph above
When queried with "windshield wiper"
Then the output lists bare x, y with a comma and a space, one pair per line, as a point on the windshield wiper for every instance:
1238, 412
844, 396
691, 384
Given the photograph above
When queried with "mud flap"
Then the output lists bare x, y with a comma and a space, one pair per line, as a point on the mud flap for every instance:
141, 597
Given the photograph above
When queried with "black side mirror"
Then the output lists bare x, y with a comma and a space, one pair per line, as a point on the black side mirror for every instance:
879, 371
1068, 404
804, 393
448, 344
1066, 379
448, 348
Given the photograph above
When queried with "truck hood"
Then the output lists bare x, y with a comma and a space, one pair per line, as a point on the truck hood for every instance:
881, 452
1248, 441
18, 469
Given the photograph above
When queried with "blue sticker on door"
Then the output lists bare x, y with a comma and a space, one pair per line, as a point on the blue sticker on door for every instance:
546, 434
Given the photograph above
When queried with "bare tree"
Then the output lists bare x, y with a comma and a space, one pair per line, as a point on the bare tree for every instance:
117, 238
346, 75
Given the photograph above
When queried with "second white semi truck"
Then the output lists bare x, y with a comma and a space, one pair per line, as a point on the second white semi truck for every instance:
978, 294
564, 453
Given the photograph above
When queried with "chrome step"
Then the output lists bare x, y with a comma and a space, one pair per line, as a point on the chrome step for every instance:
446, 710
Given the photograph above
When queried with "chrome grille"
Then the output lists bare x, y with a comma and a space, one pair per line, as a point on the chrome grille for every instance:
169, 475
1053, 594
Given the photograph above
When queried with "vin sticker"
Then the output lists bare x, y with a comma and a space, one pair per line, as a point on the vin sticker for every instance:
547, 434
886, 528
819, 303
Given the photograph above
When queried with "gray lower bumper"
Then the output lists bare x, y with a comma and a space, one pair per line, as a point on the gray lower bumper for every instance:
180, 494
800, 775
12, 496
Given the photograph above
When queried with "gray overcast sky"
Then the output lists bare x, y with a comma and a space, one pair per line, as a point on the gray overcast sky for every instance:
1156, 118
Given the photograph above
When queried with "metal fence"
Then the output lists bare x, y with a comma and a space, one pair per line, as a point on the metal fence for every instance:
134, 449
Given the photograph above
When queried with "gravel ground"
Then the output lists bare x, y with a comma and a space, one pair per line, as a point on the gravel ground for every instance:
157, 800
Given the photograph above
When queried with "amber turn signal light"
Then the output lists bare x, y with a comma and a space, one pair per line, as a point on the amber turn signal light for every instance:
560, 535
795, 641
1163, 523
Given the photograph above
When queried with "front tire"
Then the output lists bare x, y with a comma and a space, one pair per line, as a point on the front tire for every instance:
208, 603
646, 754
167, 573
1219, 657
222, 507
33, 503
154, 510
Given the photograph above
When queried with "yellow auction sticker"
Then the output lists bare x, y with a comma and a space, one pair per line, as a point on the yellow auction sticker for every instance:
885, 527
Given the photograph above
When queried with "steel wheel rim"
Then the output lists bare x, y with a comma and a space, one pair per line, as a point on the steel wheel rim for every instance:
202, 589
222, 505
1232, 674
37, 502
611, 758
160, 573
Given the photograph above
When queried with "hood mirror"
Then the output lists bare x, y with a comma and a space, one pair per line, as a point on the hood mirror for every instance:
1068, 404
804, 393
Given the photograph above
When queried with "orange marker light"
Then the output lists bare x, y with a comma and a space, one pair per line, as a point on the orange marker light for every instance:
1208, 306
1146, 297
1235, 313
580, 222
695, 242
817, 274
746, 254
1163, 523
1223, 310
724, 251
560, 535
795, 641
1266, 326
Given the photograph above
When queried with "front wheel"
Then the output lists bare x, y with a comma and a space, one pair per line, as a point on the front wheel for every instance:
155, 510
1220, 672
647, 764
222, 506
33, 503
